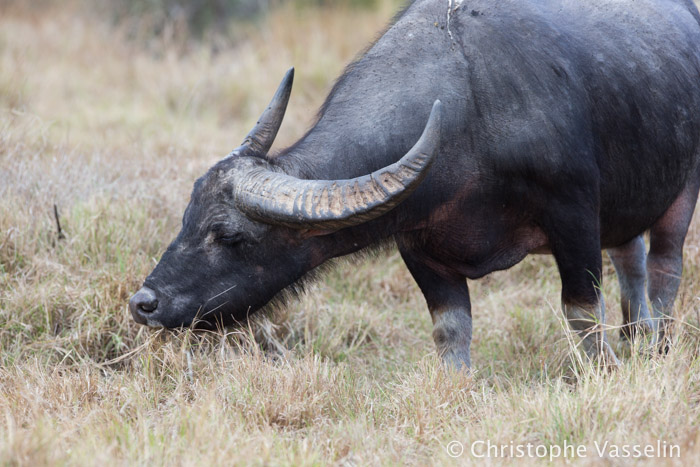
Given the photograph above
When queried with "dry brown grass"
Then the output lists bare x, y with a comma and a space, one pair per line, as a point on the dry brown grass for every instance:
115, 136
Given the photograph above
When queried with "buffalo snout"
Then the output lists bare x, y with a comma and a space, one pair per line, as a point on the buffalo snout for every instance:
143, 305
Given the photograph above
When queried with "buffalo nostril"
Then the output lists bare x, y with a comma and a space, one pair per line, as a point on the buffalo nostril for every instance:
143, 302
148, 307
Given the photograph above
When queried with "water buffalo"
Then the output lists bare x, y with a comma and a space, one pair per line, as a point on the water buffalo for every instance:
472, 133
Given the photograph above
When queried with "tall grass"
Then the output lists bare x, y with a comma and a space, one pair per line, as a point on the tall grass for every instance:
114, 135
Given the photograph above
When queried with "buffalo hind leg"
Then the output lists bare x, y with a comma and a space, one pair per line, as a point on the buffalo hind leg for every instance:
665, 260
574, 237
630, 264
450, 309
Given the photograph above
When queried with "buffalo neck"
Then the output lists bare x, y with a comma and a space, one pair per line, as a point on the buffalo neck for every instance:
341, 149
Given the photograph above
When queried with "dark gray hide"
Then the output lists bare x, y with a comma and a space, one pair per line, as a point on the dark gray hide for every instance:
567, 127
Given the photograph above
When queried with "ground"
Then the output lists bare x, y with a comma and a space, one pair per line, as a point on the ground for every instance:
113, 130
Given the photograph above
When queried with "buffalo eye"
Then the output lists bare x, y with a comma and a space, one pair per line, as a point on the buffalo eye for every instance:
230, 239
226, 237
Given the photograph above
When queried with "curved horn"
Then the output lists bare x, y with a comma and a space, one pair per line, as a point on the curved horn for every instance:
277, 198
260, 139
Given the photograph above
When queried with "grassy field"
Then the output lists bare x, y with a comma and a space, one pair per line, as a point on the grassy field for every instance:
114, 131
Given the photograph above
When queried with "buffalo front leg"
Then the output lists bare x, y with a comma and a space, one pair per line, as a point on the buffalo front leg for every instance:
630, 264
575, 241
450, 309
665, 260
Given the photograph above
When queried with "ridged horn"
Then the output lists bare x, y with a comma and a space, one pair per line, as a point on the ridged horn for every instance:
277, 198
260, 139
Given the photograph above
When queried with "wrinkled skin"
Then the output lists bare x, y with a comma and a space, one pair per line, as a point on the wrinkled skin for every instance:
570, 127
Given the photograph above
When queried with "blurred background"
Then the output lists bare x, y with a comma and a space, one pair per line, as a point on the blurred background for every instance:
203, 57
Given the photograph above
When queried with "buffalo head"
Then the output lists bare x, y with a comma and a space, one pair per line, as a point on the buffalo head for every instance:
249, 229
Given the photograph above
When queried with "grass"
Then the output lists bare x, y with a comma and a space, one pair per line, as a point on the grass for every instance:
114, 134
